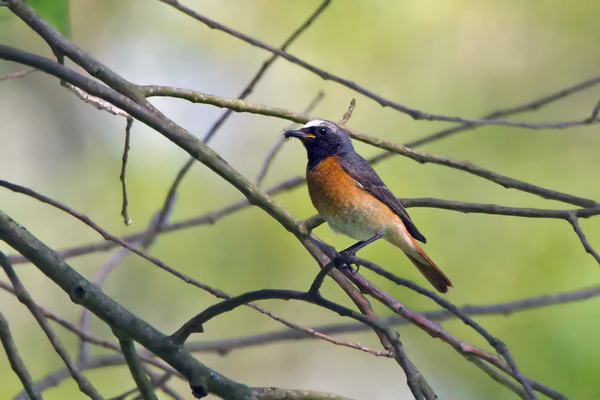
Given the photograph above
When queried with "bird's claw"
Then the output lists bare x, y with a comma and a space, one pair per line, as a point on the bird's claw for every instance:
342, 260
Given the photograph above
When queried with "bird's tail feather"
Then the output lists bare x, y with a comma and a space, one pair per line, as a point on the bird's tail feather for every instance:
431, 271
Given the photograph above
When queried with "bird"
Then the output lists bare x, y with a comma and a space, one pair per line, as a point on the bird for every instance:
353, 200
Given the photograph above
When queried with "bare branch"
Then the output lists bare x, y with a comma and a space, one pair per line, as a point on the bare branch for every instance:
135, 367
97, 102
86, 220
414, 379
196, 323
348, 113
496, 343
16, 75
56, 377
575, 223
215, 292
185, 140
156, 381
498, 376
236, 105
263, 69
12, 353
505, 309
415, 114
494, 209
122, 177
84, 384
287, 394
467, 166
88, 337
84, 293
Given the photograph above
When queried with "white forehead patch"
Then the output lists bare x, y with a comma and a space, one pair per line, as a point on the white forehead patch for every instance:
315, 122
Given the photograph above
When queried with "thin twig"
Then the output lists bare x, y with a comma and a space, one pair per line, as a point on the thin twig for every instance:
156, 382
415, 114
314, 221
84, 384
215, 292
497, 344
265, 66
226, 345
185, 140
575, 223
498, 376
15, 360
162, 382
529, 106
102, 361
135, 367
245, 93
414, 379
97, 102
466, 166
98, 279
107, 236
348, 113
17, 75
85, 336
122, 177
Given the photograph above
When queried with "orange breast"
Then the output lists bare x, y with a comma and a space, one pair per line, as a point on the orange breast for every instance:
347, 208
330, 187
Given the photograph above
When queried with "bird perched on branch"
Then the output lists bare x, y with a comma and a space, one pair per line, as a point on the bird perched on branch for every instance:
353, 199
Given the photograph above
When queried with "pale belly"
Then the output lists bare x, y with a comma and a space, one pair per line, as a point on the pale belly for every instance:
361, 223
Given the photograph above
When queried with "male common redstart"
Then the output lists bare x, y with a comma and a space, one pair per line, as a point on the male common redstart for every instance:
353, 199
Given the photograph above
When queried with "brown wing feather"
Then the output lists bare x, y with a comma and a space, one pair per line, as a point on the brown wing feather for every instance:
359, 169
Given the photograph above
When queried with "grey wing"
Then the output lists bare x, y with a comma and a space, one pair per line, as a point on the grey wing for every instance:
362, 172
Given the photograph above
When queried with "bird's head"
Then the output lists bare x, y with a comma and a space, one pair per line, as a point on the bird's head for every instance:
322, 139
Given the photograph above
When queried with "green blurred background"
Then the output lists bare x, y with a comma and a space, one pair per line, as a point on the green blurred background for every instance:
450, 57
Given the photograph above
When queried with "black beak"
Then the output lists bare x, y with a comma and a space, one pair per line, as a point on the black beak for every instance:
300, 134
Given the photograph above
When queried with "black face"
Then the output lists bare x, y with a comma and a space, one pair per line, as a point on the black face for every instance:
322, 139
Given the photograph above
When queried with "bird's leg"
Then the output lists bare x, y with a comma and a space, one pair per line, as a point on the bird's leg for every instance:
343, 257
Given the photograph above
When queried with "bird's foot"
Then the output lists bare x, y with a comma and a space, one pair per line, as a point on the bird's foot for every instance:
342, 260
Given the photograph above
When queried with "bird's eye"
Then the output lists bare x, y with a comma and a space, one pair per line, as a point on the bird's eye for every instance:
323, 130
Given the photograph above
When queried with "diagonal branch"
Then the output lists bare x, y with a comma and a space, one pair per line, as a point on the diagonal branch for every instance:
467, 166
575, 223
123, 176
215, 292
415, 114
84, 384
504, 309
204, 154
15, 360
17, 75
86, 294
496, 343
415, 380
263, 69
135, 367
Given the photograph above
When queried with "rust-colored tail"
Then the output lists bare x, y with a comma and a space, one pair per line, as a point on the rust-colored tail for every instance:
428, 268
